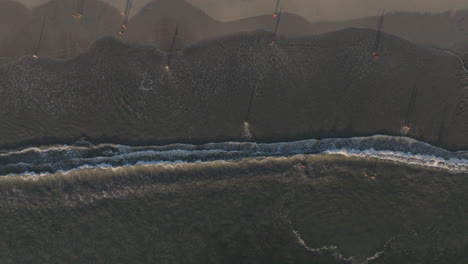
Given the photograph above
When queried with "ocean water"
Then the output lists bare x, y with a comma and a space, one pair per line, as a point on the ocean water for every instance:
360, 200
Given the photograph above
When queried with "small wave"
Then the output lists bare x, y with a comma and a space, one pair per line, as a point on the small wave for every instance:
54, 159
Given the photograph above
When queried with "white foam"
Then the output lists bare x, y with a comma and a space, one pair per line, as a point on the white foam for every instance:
429, 161
62, 159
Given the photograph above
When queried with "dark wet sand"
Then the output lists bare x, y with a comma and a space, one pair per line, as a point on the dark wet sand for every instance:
327, 86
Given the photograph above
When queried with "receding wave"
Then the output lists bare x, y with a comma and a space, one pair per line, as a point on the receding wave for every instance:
53, 159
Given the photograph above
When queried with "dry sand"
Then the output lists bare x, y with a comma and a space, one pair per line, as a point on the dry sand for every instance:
154, 24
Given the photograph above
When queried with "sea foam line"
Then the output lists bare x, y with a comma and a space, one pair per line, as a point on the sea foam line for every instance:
428, 161
62, 159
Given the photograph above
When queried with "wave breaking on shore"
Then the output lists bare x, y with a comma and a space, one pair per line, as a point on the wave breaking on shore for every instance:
38, 161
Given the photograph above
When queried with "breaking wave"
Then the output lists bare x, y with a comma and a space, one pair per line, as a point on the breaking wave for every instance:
54, 159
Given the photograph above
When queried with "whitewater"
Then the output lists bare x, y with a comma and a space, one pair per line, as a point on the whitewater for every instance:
46, 160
